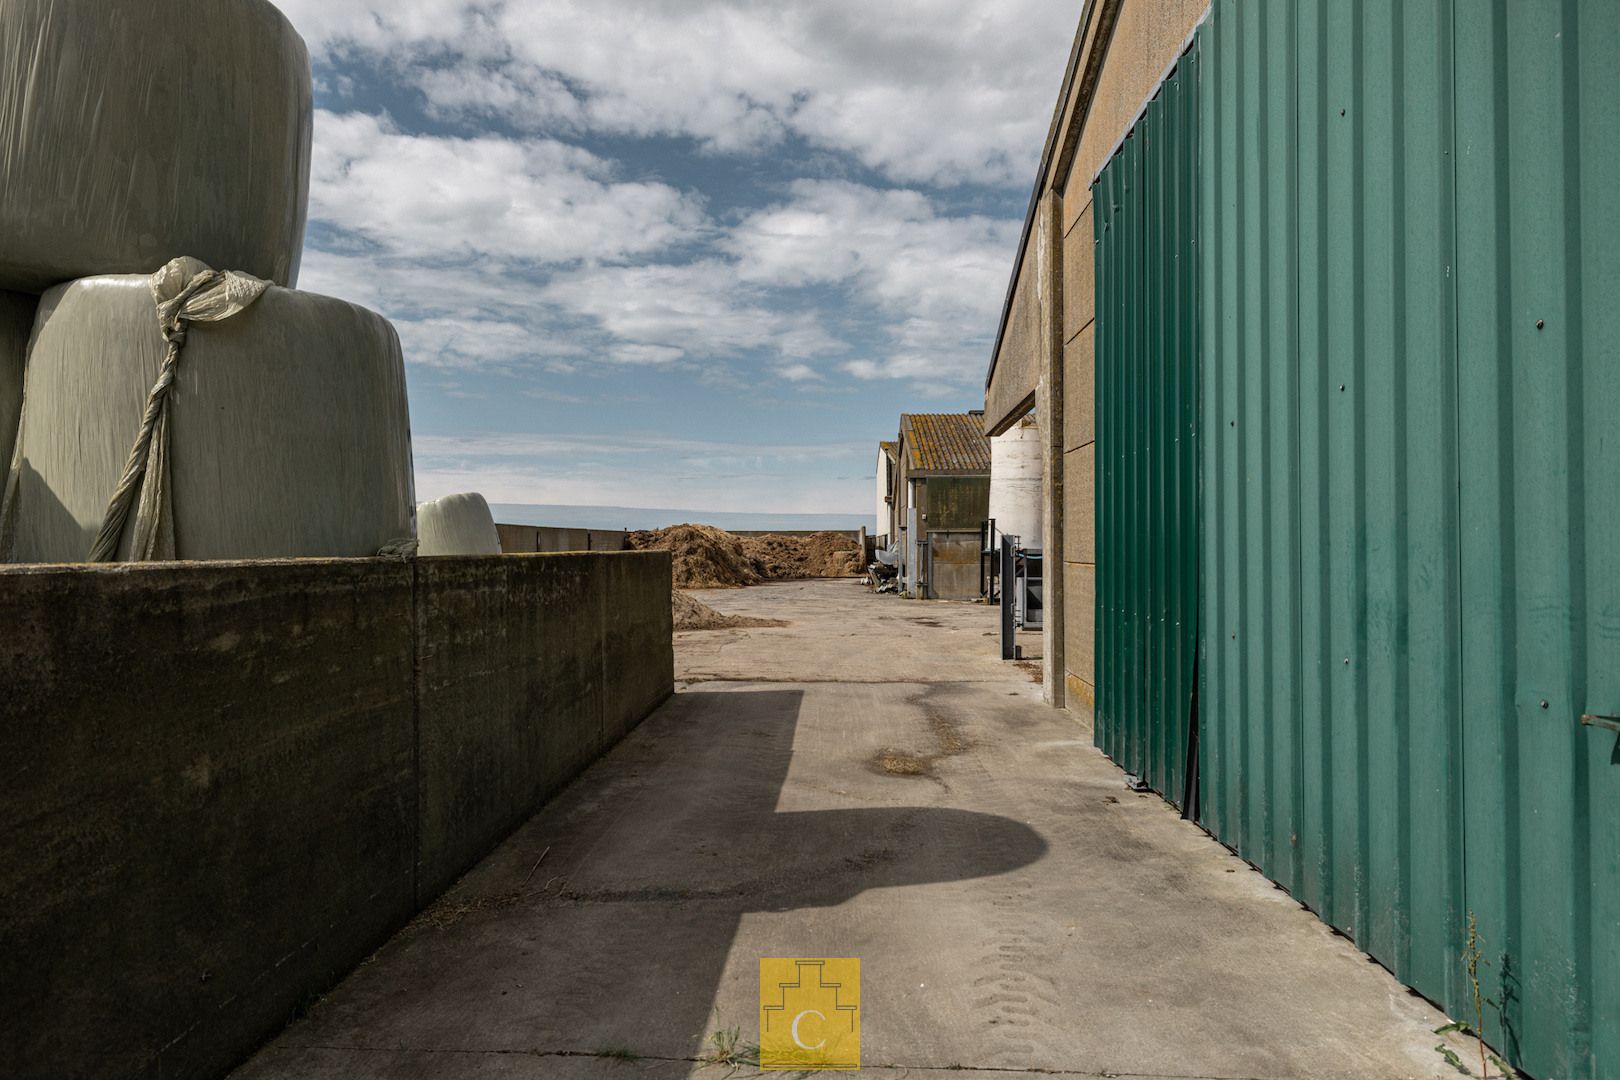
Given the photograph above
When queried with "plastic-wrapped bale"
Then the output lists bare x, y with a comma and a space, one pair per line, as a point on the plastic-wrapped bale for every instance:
134, 131
16, 323
457, 525
289, 430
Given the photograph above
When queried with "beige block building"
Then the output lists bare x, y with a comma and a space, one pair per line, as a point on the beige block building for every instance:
1044, 359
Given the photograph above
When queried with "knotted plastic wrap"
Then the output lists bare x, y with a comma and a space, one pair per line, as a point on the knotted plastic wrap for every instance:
278, 430
133, 131
457, 525
16, 323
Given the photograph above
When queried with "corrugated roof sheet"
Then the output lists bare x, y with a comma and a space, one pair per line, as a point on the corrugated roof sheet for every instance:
945, 442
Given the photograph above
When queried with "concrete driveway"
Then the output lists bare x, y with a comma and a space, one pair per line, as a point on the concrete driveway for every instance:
868, 781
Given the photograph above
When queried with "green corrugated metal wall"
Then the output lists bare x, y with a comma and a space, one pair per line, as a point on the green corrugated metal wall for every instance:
1538, 211
1146, 209
1332, 709
1410, 257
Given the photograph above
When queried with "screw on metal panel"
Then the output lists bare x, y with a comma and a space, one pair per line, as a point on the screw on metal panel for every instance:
1347, 661
1544, 703
1341, 388
1541, 324
1341, 112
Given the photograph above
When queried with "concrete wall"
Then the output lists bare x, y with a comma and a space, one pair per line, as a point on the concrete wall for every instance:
1120, 54
530, 668
1019, 354
226, 783
1145, 41
529, 539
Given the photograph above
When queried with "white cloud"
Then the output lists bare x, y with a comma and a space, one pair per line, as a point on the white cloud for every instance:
798, 373
919, 289
644, 471
935, 280
934, 91
697, 310
537, 200
508, 252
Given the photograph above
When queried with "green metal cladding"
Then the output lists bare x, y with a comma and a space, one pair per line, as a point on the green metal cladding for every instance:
1146, 225
1358, 342
1332, 752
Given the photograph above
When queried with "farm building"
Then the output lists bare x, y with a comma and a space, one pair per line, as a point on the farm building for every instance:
941, 500
1315, 306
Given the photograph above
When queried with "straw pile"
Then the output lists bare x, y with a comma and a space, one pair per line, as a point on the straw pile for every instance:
825, 554
704, 557
693, 614
709, 558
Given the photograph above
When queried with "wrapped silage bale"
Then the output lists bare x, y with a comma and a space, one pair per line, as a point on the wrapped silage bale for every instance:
133, 131
16, 323
457, 525
285, 433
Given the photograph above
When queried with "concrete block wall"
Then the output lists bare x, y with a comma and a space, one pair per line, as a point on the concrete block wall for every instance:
1132, 46
227, 783
529, 539
1045, 356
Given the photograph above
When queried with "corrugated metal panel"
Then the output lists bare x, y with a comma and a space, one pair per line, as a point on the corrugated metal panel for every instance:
1411, 490
1538, 190
1331, 468
1147, 438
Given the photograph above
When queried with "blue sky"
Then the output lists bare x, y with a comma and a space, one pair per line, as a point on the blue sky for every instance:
676, 252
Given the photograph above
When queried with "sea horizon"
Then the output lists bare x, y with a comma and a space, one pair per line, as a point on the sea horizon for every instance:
562, 516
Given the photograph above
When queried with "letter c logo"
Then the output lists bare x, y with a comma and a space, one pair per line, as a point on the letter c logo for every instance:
800, 1042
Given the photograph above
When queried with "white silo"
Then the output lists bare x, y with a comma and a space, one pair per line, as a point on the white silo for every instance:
1015, 482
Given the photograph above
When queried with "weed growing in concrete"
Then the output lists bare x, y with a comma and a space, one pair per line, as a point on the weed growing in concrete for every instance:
1452, 1059
1472, 954
730, 1050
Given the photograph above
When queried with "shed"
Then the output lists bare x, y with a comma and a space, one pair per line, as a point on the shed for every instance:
942, 498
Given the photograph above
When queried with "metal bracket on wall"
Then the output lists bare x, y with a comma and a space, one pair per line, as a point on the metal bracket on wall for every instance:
1594, 720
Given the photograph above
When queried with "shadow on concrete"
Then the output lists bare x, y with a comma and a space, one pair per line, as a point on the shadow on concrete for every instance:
705, 845
657, 853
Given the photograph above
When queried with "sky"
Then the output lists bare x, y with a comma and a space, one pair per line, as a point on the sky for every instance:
688, 253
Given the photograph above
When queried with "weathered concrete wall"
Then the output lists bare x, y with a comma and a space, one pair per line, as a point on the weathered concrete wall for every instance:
552, 660
1021, 352
1123, 49
531, 539
208, 806
226, 783
1144, 42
